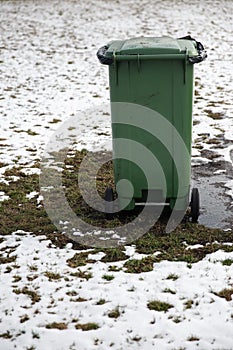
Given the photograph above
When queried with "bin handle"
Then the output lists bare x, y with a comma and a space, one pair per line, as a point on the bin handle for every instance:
200, 49
101, 54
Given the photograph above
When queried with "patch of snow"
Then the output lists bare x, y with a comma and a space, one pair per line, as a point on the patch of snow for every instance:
31, 171
129, 292
3, 197
194, 246
39, 199
229, 192
97, 256
32, 194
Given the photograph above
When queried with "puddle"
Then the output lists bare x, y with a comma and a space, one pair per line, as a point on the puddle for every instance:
216, 205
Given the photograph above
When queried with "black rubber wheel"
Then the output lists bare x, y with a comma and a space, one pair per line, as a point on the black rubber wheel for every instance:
109, 198
195, 205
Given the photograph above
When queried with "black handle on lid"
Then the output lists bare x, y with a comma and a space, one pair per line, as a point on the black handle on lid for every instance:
200, 49
101, 54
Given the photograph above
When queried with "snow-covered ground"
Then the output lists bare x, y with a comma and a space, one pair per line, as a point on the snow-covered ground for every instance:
198, 319
49, 72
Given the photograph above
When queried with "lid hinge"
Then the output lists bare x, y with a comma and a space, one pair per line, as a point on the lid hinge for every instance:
138, 60
115, 67
185, 65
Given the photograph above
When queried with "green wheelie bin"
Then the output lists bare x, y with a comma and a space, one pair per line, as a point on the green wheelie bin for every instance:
151, 93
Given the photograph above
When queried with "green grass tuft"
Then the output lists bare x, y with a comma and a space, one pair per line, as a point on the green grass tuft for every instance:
159, 305
35, 297
115, 313
82, 274
227, 262
52, 276
57, 325
114, 254
108, 277
79, 259
87, 326
137, 266
172, 276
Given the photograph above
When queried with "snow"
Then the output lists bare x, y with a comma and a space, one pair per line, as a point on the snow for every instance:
3, 197
50, 73
209, 319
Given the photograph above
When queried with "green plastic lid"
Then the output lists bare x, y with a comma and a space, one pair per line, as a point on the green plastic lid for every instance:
152, 46
163, 47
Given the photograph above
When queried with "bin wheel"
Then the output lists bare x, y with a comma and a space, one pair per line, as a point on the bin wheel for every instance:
109, 198
195, 205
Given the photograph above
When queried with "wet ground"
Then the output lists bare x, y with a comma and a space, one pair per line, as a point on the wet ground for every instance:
216, 205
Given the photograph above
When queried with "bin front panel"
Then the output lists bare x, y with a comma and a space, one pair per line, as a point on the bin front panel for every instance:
165, 86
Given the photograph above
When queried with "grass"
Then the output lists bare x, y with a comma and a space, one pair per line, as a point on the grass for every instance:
35, 335
24, 318
78, 300
114, 254
177, 319
225, 293
168, 290
87, 326
114, 268
188, 304
52, 276
16, 278
159, 305
101, 302
214, 115
193, 338
55, 120
7, 259
136, 338
32, 277
172, 276
71, 293
20, 213
79, 259
56, 325
82, 275
34, 296
137, 266
108, 277
6, 335
33, 268
115, 313
171, 245
227, 262
8, 269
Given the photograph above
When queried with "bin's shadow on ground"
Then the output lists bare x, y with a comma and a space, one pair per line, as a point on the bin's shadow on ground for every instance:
216, 205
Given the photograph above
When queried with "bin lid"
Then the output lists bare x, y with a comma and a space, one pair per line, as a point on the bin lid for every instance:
152, 46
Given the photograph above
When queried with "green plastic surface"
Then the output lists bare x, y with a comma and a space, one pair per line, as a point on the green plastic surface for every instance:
152, 46
164, 83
